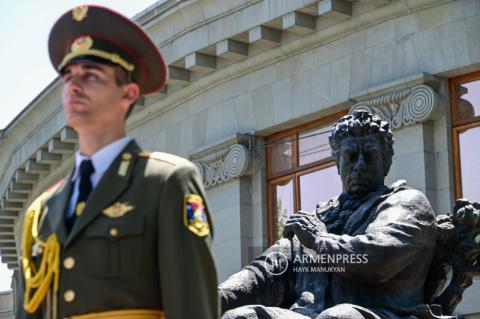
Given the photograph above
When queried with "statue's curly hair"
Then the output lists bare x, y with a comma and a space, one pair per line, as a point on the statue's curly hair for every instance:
361, 123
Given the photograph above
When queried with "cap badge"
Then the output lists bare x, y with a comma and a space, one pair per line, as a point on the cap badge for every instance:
82, 44
79, 13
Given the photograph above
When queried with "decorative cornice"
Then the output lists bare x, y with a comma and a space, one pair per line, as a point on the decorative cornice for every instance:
223, 165
404, 107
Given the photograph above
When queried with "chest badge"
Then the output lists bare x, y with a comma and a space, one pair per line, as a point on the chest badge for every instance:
117, 210
195, 216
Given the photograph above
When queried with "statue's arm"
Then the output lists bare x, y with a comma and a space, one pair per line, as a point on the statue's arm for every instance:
255, 284
402, 232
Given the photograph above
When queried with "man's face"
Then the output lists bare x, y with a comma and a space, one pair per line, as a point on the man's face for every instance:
360, 164
92, 97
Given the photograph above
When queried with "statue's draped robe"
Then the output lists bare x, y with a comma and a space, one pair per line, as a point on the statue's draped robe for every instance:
394, 227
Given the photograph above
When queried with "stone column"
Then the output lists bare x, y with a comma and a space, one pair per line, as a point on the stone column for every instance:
234, 177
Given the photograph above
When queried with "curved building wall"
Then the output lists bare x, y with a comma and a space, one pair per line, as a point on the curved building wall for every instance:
242, 70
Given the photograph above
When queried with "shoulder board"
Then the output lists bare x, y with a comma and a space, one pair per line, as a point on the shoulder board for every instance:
47, 193
55, 186
164, 157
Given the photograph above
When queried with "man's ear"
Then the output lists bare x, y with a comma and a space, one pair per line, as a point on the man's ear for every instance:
132, 93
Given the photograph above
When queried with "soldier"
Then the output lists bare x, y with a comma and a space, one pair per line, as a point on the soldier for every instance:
127, 234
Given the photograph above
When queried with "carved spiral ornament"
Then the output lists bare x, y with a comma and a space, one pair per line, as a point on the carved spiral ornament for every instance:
224, 165
403, 108
420, 105
236, 161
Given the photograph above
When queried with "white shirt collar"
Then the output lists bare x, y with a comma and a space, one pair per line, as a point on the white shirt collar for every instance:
102, 159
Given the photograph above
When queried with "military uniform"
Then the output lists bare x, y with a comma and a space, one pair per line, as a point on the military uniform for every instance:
137, 242
134, 245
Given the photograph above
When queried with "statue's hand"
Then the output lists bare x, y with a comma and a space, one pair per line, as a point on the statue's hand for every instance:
306, 226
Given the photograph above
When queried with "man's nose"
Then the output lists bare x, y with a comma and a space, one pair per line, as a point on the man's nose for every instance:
73, 86
360, 163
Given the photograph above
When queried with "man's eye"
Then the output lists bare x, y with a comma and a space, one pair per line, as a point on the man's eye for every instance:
91, 76
66, 77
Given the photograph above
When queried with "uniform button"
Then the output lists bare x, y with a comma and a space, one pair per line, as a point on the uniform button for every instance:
126, 156
113, 232
69, 263
69, 295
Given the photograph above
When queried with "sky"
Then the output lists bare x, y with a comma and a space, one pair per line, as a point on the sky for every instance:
24, 62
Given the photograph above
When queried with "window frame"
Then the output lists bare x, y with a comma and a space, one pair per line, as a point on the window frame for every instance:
296, 171
459, 127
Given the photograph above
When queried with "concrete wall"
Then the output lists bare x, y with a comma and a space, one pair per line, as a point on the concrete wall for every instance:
6, 305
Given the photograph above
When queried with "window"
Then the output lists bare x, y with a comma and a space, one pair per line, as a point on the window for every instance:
465, 103
301, 171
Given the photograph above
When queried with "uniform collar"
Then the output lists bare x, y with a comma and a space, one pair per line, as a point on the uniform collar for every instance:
102, 159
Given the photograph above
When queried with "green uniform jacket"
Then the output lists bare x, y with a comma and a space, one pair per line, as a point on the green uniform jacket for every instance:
146, 258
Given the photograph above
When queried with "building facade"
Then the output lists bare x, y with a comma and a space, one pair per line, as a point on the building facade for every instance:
254, 87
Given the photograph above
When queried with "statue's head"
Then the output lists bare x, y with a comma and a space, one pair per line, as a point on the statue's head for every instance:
362, 145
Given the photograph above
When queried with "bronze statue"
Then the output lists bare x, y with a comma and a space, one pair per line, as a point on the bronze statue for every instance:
365, 254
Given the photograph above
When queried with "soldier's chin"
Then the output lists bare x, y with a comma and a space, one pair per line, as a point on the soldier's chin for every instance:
75, 119
358, 191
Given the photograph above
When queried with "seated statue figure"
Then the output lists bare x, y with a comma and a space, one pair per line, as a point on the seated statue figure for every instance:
365, 254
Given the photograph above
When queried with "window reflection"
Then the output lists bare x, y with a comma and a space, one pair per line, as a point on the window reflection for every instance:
300, 173
281, 159
468, 104
469, 142
313, 145
283, 204
319, 186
